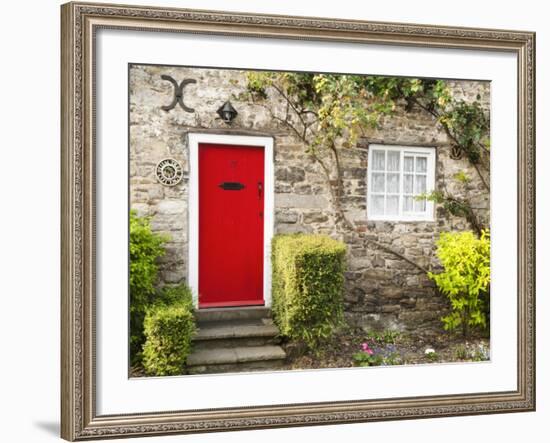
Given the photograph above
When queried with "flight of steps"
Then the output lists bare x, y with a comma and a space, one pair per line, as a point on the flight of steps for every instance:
235, 340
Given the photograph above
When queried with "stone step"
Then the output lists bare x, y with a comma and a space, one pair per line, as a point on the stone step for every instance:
236, 359
235, 333
236, 313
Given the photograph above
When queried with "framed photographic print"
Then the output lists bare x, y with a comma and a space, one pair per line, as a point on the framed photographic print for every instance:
283, 221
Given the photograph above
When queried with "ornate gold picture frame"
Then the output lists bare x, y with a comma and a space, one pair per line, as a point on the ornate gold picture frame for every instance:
80, 23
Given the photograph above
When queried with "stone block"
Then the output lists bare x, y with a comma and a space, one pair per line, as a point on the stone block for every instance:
171, 207
302, 189
417, 318
142, 209
377, 274
284, 228
355, 173
291, 174
391, 292
173, 276
297, 201
408, 302
378, 261
359, 263
281, 188
390, 308
286, 217
315, 217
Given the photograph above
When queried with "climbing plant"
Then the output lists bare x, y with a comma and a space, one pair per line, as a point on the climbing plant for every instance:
328, 113
465, 123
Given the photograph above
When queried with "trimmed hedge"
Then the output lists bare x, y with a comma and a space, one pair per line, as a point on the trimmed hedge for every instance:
308, 283
174, 294
168, 327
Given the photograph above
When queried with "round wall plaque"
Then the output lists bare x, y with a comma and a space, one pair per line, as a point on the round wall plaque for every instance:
169, 172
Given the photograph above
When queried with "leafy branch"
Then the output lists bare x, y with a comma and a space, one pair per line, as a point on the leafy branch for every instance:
329, 113
465, 124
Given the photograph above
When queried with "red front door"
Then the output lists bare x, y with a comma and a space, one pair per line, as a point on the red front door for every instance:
231, 225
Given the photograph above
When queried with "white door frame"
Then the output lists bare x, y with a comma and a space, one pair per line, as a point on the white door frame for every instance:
194, 139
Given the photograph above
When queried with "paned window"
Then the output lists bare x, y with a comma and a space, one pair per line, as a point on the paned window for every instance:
398, 176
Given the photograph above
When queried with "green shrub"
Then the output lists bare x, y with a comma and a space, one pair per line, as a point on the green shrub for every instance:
465, 278
169, 330
145, 248
174, 294
308, 281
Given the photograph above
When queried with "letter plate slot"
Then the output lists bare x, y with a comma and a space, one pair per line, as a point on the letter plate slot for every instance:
231, 186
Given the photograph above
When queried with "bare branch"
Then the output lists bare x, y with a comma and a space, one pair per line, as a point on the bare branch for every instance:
397, 254
485, 184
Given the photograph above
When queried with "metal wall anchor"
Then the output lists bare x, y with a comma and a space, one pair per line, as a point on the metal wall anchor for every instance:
178, 93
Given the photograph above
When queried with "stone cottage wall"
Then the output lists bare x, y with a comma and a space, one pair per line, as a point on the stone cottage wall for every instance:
382, 291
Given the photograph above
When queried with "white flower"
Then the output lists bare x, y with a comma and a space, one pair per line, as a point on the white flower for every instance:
429, 351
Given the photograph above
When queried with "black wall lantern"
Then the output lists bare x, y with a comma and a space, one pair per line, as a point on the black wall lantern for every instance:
227, 112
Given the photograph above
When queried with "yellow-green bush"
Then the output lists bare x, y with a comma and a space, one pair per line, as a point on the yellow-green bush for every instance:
169, 326
308, 283
465, 279
146, 247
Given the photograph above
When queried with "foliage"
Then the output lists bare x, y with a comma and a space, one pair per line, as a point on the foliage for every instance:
169, 327
329, 112
462, 177
428, 93
387, 337
145, 248
469, 127
456, 206
326, 112
465, 278
431, 355
472, 352
464, 122
308, 279
174, 294
376, 356
326, 106
482, 353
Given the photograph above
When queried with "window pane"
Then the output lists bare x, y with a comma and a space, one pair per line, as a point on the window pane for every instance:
392, 205
397, 177
420, 205
420, 184
377, 202
421, 164
393, 160
378, 182
408, 164
378, 160
393, 183
408, 183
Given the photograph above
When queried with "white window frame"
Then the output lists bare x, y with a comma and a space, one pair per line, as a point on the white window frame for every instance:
429, 214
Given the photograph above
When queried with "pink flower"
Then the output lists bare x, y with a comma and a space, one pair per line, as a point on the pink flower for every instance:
365, 348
